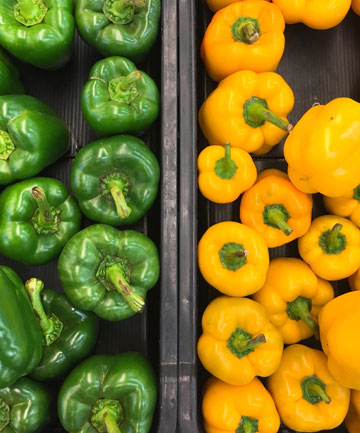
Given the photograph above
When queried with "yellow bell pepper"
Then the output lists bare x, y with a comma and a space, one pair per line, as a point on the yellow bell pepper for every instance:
293, 296
243, 409
339, 322
247, 35
347, 205
306, 395
248, 110
317, 14
277, 210
215, 5
355, 4
352, 420
323, 150
238, 341
354, 280
233, 258
331, 247
225, 173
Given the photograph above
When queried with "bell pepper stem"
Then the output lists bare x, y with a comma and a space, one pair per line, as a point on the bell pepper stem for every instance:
4, 414
246, 29
241, 343
106, 415
7, 146
276, 215
46, 218
356, 195
333, 238
117, 193
247, 425
30, 12
299, 309
333, 241
121, 11
321, 393
227, 157
131, 78
225, 168
314, 390
232, 256
123, 89
111, 424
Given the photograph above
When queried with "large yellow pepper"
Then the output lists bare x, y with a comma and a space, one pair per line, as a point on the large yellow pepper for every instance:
352, 420
225, 173
293, 296
323, 150
339, 322
355, 4
277, 210
347, 205
238, 341
248, 110
242, 409
317, 14
215, 5
331, 247
246, 35
233, 258
306, 395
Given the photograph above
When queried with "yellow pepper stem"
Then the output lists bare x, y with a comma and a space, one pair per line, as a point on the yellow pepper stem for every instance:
225, 168
246, 29
248, 425
356, 195
233, 256
276, 215
332, 241
314, 390
300, 310
241, 343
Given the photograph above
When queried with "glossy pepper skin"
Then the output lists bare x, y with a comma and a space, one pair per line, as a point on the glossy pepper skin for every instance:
109, 393
293, 297
39, 32
237, 111
225, 173
109, 271
21, 342
25, 406
249, 408
317, 14
126, 28
339, 323
355, 4
10, 83
215, 5
352, 420
119, 98
307, 397
39, 216
348, 205
245, 35
277, 210
354, 280
69, 335
238, 341
330, 134
233, 258
123, 184
31, 137
331, 247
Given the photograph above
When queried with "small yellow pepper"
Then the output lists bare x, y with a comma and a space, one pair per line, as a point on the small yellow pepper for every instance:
242, 409
215, 5
246, 35
354, 280
248, 110
347, 205
225, 173
306, 395
323, 149
233, 258
339, 322
317, 14
352, 420
277, 210
355, 4
331, 247
293, 296
238, 341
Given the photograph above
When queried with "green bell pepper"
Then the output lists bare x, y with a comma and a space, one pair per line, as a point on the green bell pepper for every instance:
69, 335
38, 217
109, 394
31, 137
108, 271
126, 28
118, 98
40, 32
25, 407
122, 186
10, 83
21, 340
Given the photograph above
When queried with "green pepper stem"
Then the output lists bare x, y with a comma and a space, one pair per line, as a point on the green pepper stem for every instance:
246, 29
106, 415
299, 309
111, 424
233, 256
356, 194
7, 146
123, 89
247, 425
320, 392
130, 79
277, 216
314, 390
241, 343
122, 11
4, 414
117, 192
46, 218
227, 157
225, 168
30, 12
333, 238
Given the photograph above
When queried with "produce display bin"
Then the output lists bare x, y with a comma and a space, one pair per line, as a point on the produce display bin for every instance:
319, 66
154, 332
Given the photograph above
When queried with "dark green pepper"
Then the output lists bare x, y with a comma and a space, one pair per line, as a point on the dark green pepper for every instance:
25, 407
108, 271
21, 340
10, 83
31, 137
109, 394
122, 185
119, 27
40, 32
118, 98
69, 335
37, 218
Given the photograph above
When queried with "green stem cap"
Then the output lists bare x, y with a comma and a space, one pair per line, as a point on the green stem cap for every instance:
246, 29
332, 241
356, 195
314, 390
51, 326
276, 215
225, 168
4, 415
124, 89
300, 310
256, 113
7, 146
106, 416
233, 256
241, 343
122, 11
117, 186
248, 425
30, 12
46, 218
